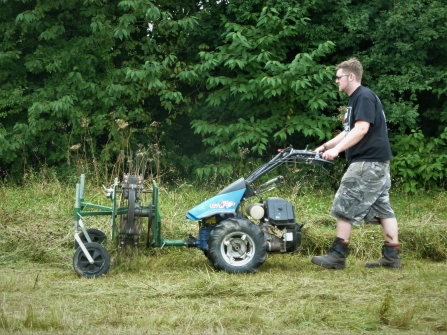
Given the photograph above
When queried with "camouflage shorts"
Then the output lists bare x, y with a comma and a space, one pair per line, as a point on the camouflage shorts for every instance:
363, 194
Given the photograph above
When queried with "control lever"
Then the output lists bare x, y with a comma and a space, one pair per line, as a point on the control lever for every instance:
278, 181
318, 160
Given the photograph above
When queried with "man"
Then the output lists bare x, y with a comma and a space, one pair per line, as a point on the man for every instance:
363, 192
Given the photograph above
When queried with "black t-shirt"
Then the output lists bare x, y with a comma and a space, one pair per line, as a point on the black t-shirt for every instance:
364, 105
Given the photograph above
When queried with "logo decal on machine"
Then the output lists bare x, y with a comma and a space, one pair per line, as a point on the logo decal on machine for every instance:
222, 204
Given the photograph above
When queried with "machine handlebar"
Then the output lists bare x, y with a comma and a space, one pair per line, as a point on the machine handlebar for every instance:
288, 155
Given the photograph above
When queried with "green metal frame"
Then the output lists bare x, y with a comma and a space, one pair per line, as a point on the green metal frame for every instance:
157, 240
83, 209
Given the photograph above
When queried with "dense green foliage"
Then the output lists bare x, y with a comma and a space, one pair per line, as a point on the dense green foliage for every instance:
208, 87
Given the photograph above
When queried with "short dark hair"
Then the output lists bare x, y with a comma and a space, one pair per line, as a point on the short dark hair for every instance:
353, 65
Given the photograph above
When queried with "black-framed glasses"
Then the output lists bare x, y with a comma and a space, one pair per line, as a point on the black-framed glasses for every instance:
339, 77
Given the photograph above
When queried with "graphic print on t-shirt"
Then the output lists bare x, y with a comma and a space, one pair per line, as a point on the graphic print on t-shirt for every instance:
347, 122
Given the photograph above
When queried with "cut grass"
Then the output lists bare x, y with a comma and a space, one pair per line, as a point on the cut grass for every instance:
174, 290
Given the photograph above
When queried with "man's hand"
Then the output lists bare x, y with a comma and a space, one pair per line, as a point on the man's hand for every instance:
330, 154
320, 149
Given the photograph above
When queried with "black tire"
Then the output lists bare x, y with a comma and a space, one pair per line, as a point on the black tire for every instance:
96, 235
100, 257
130, 228
130, 224
237, 246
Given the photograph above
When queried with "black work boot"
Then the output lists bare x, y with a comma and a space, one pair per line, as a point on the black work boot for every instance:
390, 257
336, 256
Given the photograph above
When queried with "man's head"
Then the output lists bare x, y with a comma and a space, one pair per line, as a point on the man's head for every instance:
349, 75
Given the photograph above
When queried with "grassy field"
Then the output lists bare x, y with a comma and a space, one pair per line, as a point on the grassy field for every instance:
175, 291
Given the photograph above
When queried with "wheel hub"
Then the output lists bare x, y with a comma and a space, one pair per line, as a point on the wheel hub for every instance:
237, 249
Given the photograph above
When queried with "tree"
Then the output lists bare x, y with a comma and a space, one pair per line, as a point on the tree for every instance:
260, 89
81, 80
90, 76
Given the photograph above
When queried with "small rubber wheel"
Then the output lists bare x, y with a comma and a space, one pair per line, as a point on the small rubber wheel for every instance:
95, 235
237, 246
101, 261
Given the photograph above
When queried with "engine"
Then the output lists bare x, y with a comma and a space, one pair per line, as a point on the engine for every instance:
277, 221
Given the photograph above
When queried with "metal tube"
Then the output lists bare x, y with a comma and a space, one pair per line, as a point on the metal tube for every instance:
84, 249
81, 224
81, 194
77, 207
78, 193
175, 243
114, 209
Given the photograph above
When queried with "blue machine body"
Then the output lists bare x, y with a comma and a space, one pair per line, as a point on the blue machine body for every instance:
226, 201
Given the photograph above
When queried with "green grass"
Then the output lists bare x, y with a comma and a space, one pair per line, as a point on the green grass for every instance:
175, 291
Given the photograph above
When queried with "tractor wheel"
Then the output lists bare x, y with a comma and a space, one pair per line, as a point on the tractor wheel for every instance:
101, 261
237, 246
95, 235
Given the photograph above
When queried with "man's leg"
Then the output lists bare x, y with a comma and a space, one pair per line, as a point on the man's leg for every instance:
391, 247
390, 231
336, 256
343, 229
345, 207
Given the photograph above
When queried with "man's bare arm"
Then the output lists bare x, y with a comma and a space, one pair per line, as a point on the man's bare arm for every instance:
352, 138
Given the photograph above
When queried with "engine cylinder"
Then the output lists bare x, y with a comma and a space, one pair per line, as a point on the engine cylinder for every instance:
256, 211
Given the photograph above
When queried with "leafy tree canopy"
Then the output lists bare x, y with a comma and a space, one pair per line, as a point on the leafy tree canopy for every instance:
81, 80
